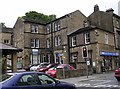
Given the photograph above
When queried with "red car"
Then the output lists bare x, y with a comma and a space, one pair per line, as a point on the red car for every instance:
52, 71
45, 68
117, 74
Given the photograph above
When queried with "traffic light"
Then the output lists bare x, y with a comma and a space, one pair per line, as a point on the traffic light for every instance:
84, 52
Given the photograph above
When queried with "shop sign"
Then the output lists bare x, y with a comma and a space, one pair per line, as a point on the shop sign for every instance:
60, 54
35, 51
102, 53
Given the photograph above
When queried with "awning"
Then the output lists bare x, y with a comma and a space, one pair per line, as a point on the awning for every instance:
7, 49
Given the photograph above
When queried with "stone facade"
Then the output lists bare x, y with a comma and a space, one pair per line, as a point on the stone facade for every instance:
6, 34
56, 32
103, 44
62, 40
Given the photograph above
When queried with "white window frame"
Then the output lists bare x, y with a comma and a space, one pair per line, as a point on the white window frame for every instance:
117, 23
59, 25
56, 41
35, 43
48, 43
56, 27
59, 40
48, 28
34, 29
87, 38
73, 39
106, 38
74, 57
32, 43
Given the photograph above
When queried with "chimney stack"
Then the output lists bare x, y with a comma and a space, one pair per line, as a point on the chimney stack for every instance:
96, 8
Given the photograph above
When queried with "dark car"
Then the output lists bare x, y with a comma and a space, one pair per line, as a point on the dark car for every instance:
33, 80
45, 68
117, 74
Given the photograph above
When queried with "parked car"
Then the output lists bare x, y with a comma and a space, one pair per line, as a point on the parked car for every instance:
52, 71
117, 74
45, 68
28, 68
34, 68
33, 80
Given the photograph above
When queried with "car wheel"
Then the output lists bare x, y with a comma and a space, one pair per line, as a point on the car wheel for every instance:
118, 79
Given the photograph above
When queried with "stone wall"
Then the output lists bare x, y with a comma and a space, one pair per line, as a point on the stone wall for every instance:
60, 74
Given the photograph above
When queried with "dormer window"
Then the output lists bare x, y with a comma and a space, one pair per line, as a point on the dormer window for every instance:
86, 23
117, 24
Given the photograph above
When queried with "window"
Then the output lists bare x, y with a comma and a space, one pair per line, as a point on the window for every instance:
28, 80
74, 57
106, 38
73, 41
7, 41
34, 29
86, 24
35, 43
48, 43
117, 24
59, 26
56, 25
48, 28
87, 38
46, 79
57, 40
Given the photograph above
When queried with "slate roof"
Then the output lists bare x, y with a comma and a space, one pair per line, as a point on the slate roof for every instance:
8, 47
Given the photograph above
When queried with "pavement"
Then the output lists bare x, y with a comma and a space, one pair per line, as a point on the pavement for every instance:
84, 78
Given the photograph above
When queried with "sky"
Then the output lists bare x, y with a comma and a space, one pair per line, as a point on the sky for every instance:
12, 9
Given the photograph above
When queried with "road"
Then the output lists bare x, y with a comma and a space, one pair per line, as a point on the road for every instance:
96, 81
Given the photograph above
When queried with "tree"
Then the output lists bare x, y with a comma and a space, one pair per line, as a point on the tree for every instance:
39, 17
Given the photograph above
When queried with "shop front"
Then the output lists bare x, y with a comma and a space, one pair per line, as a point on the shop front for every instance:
109, 61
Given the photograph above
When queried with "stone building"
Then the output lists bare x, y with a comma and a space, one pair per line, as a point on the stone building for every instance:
6, 34
101, 36
62, 40
101, 49
45, 42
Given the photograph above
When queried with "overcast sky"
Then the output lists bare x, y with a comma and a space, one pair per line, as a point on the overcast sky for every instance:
12, 9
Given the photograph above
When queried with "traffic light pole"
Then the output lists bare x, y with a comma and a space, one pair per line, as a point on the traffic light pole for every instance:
86, 67
85, 57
